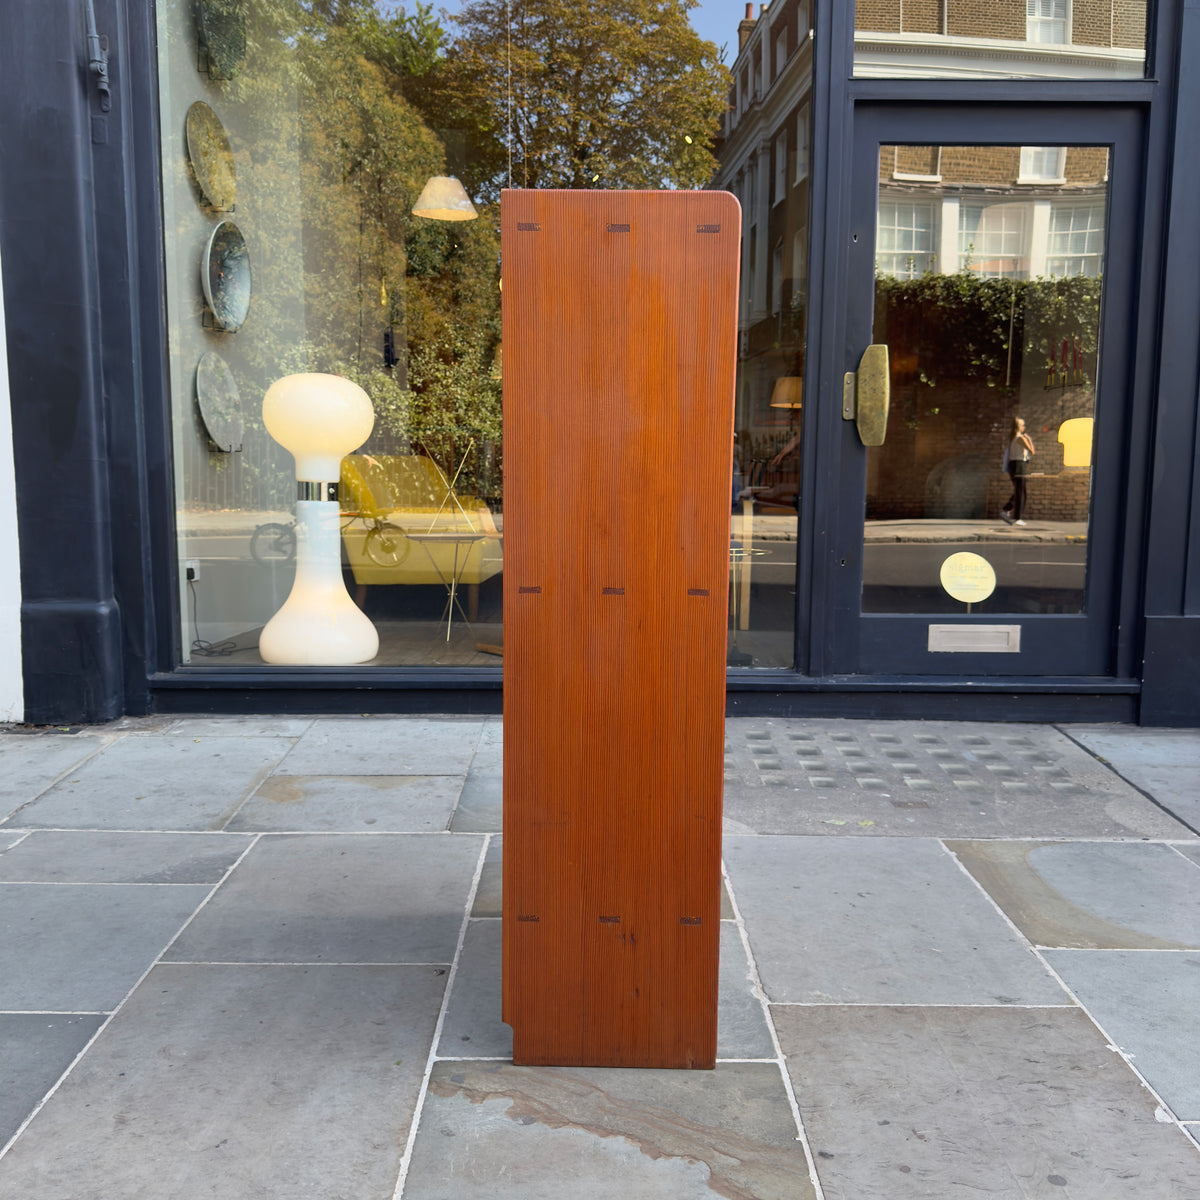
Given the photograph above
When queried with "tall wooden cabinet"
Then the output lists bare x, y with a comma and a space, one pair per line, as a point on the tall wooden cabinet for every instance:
619, 352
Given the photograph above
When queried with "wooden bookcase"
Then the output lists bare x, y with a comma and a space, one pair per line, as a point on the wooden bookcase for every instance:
620, 315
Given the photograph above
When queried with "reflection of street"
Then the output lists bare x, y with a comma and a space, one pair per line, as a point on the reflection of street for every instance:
1046, 557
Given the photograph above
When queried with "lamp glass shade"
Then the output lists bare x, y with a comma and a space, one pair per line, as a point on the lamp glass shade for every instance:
320, 419
444, 199
787, 392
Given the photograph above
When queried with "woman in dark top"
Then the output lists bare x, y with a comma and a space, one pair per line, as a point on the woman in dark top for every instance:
1020, 451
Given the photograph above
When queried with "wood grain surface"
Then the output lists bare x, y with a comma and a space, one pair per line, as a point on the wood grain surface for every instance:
619, 314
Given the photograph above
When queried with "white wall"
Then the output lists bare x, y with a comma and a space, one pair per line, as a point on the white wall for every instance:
12, 704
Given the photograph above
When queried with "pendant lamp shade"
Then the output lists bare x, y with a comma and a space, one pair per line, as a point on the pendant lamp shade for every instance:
787, 391
444, 199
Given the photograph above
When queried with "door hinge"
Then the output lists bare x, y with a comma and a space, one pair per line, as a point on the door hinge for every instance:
97, 48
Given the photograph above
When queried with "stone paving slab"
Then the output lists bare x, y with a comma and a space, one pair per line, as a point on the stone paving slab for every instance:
30, 763
385, 746
1164, 763
1147, 1002
164, 782
35, 1049
473, 1028
492, 1131
240, 726
489, 894
239, 1083
344, 898
874, 921
1092, 895
350, 804
81, 947
921, 778
1012, 1104
73, 856
481, 803
742, 1030
1128, 747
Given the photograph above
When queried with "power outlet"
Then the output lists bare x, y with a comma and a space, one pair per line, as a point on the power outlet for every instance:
191, 569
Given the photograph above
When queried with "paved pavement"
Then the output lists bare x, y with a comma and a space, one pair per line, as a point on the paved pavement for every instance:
259, 957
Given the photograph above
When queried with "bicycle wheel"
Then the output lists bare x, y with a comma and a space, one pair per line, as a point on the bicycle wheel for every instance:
386, 545
273, 543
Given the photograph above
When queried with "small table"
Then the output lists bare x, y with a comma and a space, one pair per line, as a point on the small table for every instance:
462, 540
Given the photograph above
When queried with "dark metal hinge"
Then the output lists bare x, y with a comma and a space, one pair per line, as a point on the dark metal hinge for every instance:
97, 48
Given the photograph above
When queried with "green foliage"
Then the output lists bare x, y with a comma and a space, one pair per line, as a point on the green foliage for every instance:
993, 330
585, 93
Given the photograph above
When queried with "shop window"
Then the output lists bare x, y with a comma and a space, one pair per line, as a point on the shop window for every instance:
295, 150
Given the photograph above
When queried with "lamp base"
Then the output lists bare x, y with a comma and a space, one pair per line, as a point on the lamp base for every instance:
319, 632
318, 624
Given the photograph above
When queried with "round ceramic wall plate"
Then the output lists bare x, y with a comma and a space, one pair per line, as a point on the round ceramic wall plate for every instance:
222, 25
211, 157
220, 403
225, 276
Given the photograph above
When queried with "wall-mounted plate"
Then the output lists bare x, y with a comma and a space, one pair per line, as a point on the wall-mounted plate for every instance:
211, 157
222, 26
225, 276
220, 403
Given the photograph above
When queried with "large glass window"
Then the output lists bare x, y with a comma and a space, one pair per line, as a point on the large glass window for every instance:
994, 356
299, 138
1001, 39
772, 328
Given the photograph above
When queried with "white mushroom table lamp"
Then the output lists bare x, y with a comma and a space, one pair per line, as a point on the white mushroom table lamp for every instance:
320, 419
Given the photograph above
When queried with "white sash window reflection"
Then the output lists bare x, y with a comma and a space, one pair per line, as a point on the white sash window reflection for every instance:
906, 245
992, 240
1046, 21
1076, 240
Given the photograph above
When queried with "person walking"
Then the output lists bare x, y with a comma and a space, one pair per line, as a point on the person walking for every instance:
1016, 462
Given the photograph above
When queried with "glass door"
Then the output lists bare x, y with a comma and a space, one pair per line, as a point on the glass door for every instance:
980, 521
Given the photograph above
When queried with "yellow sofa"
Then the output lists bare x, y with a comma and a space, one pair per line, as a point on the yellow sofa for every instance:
402, 523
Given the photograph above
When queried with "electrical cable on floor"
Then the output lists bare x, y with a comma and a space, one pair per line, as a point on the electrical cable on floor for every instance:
199, 645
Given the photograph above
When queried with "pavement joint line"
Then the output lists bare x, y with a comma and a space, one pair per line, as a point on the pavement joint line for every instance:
1064, 839
250, 962
1141, 790
1123, 949
914, 1004
53, 1012
419, 1105
96, 883
112, 1016
474, 1058
780, 1059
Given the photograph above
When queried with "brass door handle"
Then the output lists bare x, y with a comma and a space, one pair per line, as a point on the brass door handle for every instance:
866, 394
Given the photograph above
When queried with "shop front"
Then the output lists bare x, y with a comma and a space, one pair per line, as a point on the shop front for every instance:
965, 463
